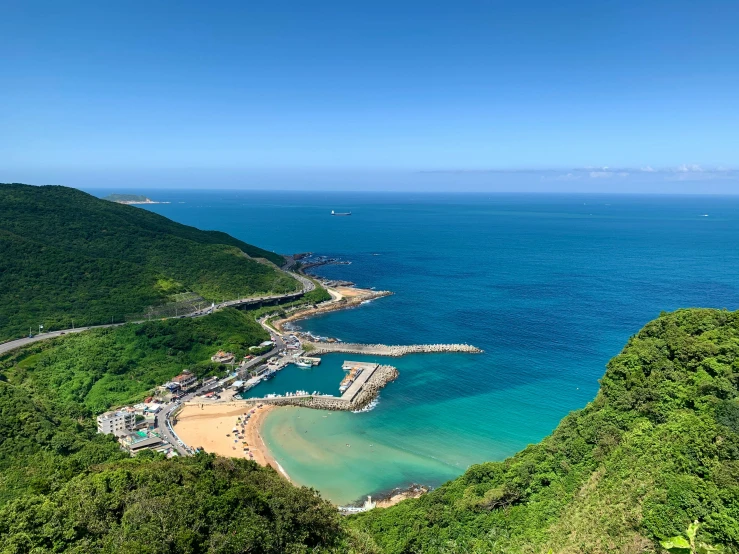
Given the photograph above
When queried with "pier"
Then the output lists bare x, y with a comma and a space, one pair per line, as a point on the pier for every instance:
393, 351
363, 390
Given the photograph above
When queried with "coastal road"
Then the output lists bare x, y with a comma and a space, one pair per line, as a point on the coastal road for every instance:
307, 284
162, 420
13, 344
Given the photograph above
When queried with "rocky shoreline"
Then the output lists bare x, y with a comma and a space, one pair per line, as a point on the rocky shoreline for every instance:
331, 306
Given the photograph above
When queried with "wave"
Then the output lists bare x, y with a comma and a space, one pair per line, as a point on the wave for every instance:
369, 407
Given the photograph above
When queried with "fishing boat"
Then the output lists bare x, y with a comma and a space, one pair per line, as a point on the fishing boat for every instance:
304, 365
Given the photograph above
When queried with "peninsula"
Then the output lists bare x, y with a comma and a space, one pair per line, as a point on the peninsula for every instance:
131, 199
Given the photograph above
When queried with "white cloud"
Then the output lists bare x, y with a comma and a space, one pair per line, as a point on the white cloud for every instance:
608, 174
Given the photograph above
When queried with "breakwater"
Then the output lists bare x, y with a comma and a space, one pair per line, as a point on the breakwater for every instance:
392, 351
355, 398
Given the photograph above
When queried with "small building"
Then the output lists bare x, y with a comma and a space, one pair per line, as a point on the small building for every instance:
151, 442
222, 357
185, 380
116, 422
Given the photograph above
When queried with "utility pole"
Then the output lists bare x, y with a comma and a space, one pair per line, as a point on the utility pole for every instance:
73, 325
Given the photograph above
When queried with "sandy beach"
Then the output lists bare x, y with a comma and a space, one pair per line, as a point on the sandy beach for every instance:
342, 298
211, 427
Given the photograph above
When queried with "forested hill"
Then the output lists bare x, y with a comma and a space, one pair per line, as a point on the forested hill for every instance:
656, 450
66, 255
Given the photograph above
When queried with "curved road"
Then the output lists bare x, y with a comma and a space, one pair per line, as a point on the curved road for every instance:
307, 284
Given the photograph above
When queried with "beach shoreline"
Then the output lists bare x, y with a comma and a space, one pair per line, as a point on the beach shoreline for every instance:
342, 298
210, 427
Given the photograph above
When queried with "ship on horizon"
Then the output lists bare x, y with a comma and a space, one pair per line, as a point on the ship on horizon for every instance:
340, 213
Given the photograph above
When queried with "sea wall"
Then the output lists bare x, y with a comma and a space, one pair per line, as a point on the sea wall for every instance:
380, 377
393, 351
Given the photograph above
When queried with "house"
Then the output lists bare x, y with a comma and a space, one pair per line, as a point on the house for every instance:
223, 357
185, 380
116, 422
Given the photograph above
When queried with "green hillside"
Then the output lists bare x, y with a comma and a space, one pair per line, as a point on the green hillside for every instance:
50, 391
68, 256
657, 449
65, 488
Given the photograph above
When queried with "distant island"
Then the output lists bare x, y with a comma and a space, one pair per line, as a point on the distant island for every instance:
131, 199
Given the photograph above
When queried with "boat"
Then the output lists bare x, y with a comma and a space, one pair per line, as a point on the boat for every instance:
304, 365
340, 213
349, 379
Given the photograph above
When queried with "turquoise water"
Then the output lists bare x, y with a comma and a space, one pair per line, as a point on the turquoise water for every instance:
324, 378
550, 287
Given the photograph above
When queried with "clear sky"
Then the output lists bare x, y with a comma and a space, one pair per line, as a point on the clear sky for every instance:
461, 95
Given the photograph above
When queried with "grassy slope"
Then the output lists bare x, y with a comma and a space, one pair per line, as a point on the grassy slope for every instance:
656, 449
66, 255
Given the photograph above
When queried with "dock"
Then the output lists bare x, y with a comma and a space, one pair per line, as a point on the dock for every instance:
361, 392
368, 370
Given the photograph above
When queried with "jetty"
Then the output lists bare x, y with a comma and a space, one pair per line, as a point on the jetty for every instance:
360, 393
394, 351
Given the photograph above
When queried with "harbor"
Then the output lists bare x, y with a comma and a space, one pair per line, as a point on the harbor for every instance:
363, 383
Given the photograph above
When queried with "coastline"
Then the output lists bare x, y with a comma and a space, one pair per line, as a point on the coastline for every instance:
206, 426
342, 298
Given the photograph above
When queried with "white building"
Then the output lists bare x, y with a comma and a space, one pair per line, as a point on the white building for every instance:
116, 422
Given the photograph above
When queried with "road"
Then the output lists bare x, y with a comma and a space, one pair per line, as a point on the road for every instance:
308, 286
162, 418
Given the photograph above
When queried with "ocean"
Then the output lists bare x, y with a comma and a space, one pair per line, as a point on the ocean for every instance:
550, 286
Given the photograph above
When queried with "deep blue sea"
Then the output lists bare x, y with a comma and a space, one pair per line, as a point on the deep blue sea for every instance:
550, 286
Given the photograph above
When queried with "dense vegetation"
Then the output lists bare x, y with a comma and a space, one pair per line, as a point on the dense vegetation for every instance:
201, 504
67, 256
657, 449
51, 390
64, 488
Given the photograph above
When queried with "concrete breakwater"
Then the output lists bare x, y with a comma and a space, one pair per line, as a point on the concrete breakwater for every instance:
393, 351
351, 400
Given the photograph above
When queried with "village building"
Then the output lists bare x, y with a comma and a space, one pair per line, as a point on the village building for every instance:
185, 380
116, 422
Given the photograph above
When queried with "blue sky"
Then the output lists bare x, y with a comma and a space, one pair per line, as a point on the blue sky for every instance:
601, 96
